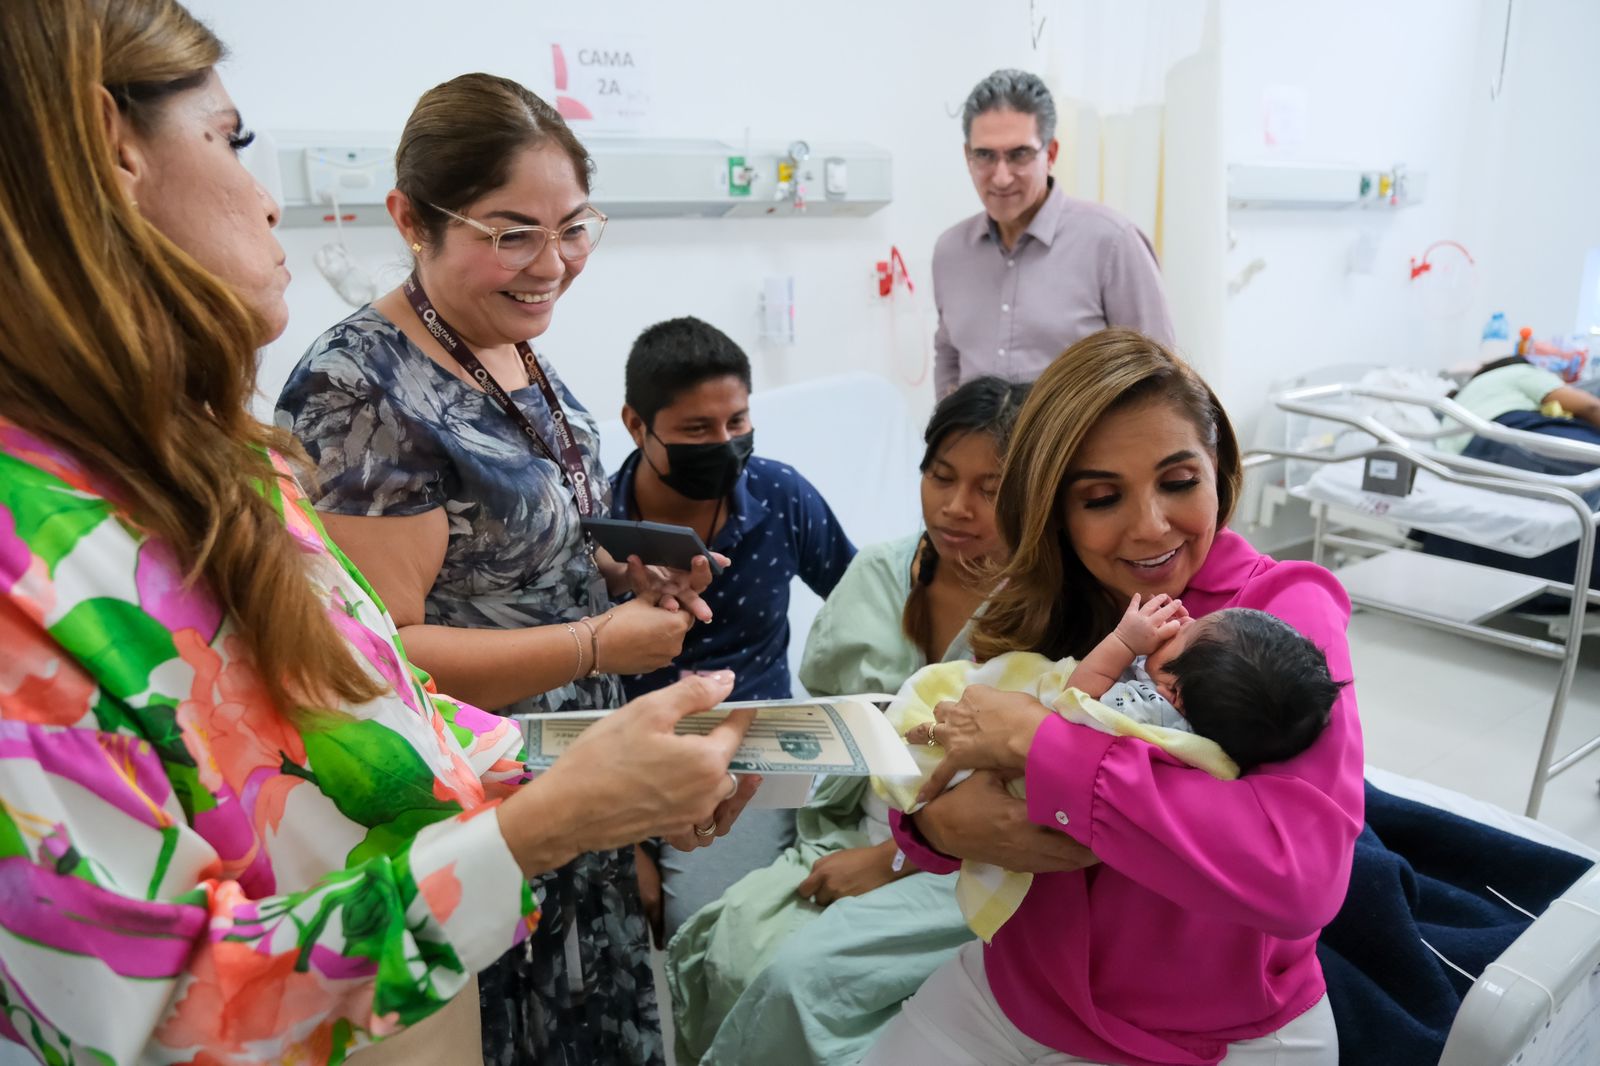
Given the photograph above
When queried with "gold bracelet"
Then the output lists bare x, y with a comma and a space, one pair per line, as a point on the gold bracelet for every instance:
577, 645
594, 647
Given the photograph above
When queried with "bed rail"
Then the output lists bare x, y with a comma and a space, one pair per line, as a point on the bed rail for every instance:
1328, 403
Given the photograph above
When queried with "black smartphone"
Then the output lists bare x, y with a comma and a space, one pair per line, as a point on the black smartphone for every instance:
655, 543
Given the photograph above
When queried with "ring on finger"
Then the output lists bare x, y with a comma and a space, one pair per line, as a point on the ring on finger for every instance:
705, 832
733, 785
932, 730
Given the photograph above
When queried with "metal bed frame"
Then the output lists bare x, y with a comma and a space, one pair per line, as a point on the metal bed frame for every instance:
1541, 990
1501, 591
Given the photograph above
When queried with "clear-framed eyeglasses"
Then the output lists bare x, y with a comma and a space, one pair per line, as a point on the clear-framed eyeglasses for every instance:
517, 246
986, 159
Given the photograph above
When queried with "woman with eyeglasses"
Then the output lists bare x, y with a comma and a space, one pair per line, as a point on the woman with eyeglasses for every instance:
454, 469
236, 824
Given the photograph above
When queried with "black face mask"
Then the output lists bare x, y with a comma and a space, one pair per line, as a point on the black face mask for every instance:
705, 471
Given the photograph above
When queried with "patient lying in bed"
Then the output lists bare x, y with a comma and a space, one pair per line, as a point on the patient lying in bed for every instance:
1224, 693
1523, 397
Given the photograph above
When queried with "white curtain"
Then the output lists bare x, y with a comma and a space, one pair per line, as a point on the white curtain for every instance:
1138, 90
1108, 63
1114, 55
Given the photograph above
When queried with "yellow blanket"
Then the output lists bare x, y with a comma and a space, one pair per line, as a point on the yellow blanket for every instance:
989, 895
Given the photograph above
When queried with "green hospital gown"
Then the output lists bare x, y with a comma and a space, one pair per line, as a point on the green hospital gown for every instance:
744, 988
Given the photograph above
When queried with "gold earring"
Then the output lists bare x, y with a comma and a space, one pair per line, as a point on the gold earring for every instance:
416, 249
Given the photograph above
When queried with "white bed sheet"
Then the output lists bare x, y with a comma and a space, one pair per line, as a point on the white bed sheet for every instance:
1512, 524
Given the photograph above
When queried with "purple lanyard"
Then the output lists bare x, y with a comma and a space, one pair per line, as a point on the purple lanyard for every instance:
570, 461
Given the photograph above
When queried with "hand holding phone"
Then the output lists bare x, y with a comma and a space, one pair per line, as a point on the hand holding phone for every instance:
655, 543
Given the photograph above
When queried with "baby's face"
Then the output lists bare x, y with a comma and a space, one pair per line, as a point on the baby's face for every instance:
1156, 663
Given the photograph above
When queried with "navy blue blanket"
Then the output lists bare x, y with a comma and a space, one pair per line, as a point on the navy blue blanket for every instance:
1420, 874
1558, 565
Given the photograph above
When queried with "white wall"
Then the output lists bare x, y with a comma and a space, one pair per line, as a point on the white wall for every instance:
889, 73
1514, 179
1385, 83
1535, 152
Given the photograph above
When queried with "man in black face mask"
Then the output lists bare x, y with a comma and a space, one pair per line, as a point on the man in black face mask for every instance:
688, 411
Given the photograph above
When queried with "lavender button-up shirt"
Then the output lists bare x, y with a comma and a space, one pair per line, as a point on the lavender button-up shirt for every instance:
1078, 268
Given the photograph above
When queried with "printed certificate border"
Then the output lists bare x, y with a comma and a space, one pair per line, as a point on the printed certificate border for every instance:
533, 738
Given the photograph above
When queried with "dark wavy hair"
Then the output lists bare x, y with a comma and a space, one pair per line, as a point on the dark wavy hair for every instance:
983, 405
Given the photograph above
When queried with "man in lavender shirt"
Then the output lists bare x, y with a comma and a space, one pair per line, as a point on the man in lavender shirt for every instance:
1036, 270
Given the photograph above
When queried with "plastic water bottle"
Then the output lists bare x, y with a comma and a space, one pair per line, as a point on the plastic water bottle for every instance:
1496, 343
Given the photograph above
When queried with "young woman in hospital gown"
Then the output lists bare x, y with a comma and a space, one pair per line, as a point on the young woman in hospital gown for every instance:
805, 960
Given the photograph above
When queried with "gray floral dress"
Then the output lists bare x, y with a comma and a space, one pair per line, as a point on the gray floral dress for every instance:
394, 433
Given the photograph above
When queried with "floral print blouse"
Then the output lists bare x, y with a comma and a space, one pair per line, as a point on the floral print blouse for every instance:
393, 433
187, 875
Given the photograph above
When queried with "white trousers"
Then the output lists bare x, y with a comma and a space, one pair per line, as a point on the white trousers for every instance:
953, 1020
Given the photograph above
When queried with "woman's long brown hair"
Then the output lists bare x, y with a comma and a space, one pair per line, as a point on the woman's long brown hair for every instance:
1046, 600
120, 348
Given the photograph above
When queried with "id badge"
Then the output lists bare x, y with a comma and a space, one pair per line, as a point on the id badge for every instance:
599, 595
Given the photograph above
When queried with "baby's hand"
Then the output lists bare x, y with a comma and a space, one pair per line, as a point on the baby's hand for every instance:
1145, 628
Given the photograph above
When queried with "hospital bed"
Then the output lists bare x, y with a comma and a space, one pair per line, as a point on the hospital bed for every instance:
1535, 1005
1538, 1004
1327, 433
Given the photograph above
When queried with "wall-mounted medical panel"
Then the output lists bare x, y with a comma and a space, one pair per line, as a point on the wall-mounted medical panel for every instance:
321, 178
1303, 186
645, 178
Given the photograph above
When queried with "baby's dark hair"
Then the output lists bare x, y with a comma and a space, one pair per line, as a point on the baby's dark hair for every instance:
1254, 685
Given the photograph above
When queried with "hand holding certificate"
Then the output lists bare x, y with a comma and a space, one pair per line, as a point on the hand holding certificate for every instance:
788, 743
631, 777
